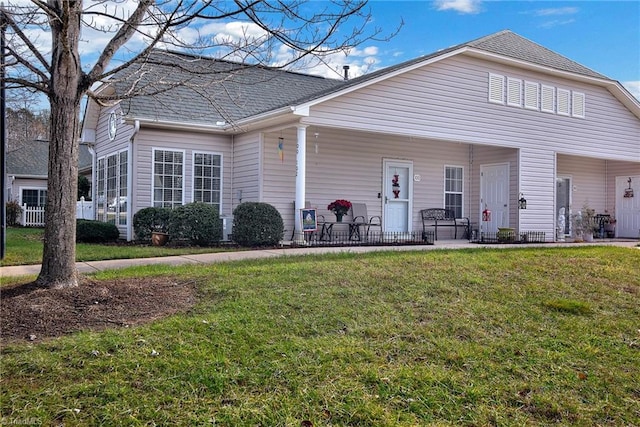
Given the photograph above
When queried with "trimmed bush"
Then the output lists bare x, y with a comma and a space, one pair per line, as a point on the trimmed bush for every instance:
196, 222
88, 231
150, 219
257, 224
14, 210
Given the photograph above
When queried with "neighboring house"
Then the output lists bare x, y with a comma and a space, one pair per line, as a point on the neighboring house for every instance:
27, 171
476, 126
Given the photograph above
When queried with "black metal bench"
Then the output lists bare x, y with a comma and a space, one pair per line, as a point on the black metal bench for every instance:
441, 217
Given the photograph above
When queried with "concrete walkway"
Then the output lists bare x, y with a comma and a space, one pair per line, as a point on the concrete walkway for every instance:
211, 258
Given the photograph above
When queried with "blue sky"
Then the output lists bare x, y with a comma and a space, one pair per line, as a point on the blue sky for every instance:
601, 35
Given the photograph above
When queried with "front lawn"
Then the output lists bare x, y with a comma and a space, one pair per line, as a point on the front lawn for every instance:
24, 247
526, 336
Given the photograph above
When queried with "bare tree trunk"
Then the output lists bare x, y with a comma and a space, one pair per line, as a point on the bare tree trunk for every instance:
58, 260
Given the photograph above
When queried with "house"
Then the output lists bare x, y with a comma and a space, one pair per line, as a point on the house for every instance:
27, 171
474, 128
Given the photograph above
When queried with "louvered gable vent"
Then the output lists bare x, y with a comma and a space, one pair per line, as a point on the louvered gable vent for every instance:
531, 98
577, 104
563, 102
547, 99
514, 92
496, 88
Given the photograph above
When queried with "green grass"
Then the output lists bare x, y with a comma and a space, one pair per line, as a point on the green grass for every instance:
533, 336
24, 247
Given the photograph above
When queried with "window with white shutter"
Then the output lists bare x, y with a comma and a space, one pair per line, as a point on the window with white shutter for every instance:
547, 99
531, 96
577, 104
496, 88
514, 92
563, 102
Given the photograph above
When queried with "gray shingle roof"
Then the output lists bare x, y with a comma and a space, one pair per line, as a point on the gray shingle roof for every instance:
218, 90
213, 90
31, 159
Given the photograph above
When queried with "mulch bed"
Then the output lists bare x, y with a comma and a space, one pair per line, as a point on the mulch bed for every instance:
31, 313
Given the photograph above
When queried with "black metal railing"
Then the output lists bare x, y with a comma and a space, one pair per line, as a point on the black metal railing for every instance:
373, 238
510, 237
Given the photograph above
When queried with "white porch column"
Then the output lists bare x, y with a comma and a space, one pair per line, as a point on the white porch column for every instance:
301, 173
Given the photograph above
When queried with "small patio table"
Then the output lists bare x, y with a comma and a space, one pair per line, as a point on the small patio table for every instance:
326, 231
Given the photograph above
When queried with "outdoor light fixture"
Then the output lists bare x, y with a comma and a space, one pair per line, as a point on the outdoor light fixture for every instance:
522, 203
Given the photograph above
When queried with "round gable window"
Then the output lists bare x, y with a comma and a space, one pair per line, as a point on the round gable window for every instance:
113, 126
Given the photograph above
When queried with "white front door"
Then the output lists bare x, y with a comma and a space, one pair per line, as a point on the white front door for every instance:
494, 196
628, 208
397, 188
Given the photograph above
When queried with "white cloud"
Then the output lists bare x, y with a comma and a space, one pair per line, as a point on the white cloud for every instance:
633, 87
557, 11
556, 23
461, 6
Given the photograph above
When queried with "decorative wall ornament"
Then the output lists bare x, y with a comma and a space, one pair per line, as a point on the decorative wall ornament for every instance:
628, 192
281, 149
395, 184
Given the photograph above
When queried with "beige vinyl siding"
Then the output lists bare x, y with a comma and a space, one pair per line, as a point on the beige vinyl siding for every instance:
588, 179
246, 168
537, 183
449, 100
148, 139
349, 166
104, 146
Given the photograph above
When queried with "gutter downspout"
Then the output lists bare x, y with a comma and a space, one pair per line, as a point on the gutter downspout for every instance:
136, 129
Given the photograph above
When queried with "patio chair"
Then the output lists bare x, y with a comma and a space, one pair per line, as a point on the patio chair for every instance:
360, 216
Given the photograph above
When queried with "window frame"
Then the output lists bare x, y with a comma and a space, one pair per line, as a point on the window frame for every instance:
41, 198
447, 192
173, 204
121, 188
548, 108
193, 177
563, 99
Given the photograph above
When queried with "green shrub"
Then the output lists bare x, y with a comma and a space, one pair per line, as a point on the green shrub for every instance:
196, 222
14, 210
88, 231
257, 224
151, 219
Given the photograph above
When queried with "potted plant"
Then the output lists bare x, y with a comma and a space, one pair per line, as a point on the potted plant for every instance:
585, 224
340, 208
159, 235
610, 227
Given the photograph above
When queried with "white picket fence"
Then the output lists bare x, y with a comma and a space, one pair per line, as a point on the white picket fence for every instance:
33, 216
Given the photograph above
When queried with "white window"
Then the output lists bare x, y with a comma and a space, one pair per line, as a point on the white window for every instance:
496, 88
453, 189
112, 189
563, 102
34, 197
207, 178
514, 92
548, 99
531, 96
577, 104
168, 178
